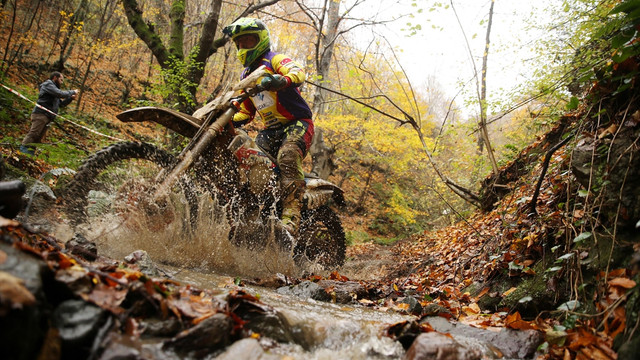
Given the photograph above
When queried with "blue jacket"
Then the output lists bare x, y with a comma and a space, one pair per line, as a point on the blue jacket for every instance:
50, 96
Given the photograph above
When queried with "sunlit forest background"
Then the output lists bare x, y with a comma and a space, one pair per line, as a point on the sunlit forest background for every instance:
371, 113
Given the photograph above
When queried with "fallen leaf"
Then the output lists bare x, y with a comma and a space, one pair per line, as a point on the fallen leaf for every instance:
13, 293
616, 273
622, 282
580, 339
608, 131
3, 257
594, 353
4, 222
506, 293
515, 321
474, 308
482, 293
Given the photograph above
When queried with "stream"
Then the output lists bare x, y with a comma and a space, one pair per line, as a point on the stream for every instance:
325, 330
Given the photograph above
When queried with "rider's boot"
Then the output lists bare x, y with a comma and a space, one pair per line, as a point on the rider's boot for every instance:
290, 163
292, 205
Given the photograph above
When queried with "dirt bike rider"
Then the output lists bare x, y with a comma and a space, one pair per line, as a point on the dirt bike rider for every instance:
288, 128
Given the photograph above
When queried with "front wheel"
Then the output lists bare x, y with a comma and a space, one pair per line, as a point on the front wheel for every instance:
115, 184
321, 238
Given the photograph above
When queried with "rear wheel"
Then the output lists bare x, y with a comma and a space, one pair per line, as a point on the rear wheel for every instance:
117, 183
321, 238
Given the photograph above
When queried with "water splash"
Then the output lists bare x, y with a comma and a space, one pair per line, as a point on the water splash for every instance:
204, 246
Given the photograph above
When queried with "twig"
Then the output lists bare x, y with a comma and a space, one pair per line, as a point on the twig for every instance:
545, 165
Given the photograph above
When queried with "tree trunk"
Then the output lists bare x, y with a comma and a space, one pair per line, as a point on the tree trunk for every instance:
321, 156
21, 49
322, 163
146, 32
483, 138
206, 47
324, 53
69, 41
6, 48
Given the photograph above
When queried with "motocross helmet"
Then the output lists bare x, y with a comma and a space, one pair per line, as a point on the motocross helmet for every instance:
245, 26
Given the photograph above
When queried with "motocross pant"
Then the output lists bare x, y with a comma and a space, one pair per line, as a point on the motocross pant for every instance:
289, 144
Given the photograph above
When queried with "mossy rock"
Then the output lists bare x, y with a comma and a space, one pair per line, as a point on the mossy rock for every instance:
537, 288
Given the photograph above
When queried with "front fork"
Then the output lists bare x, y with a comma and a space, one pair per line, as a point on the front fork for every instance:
166, 180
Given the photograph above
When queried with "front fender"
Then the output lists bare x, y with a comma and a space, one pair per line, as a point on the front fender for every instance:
183, 124
319, 191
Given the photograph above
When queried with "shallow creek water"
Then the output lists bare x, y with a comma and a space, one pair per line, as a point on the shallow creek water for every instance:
329, 331
207, 260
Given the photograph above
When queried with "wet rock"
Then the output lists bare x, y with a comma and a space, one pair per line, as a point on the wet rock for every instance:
262, 319
141, 259
306, 290
436, 310
75, 279
23, 329
11, 202
80, 246
436, 346
210, 334
343, 292
122, 347
246, 349
166, 328
405, 332
39, 198
510, 343
414, 305
77, 322
139, 303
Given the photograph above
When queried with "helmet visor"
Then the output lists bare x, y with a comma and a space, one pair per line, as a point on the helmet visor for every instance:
246, 41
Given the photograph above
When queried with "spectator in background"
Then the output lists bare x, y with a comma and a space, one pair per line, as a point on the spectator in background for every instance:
51, 98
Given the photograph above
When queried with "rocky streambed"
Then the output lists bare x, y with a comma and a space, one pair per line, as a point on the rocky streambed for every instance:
64, 301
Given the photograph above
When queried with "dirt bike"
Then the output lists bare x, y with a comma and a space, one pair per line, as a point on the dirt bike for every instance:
219, 161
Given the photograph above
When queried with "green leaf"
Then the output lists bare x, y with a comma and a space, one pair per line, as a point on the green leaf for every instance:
626, 6
543, 347
554, 269
573, 103
525, 299
564, 257
583, 236
570, 305
583, 193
